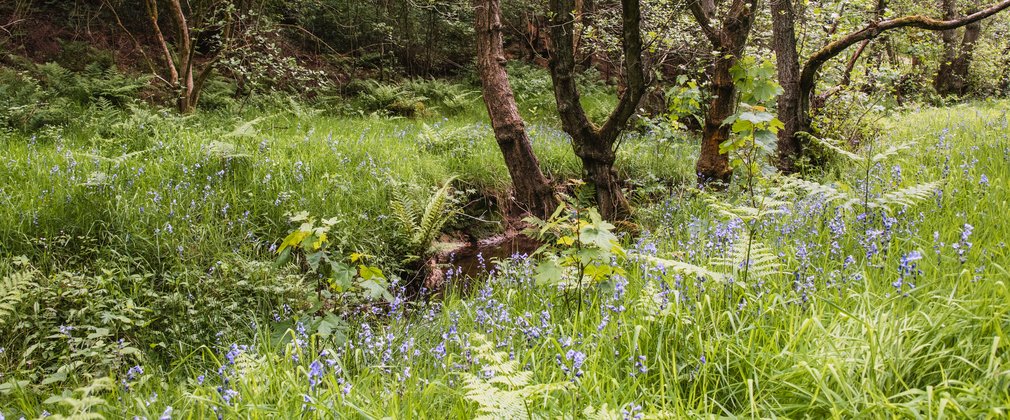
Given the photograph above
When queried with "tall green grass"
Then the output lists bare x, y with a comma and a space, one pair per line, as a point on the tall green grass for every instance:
839, 332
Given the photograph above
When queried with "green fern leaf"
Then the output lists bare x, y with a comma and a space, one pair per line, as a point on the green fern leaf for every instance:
906, 196
682, 267
827, 144
12, 292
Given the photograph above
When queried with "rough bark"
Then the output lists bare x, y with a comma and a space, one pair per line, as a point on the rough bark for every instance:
596, 146
952, 75
532, 191
1005, 82
729, 42
788, 67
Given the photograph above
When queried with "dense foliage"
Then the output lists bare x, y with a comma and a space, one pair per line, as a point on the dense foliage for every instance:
309, 209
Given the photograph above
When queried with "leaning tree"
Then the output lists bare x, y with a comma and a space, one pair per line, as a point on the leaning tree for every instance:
532, 190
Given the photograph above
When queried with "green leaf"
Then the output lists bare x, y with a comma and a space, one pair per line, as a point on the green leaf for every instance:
374, 290
341, 275
314, 259
369, 272
742, 126
757, 117
59, 376
548, 272
332, 326
598, 232
765, 92
284, 257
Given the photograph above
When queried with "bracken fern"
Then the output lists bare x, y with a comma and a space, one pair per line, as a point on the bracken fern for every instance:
504, 390
12, 292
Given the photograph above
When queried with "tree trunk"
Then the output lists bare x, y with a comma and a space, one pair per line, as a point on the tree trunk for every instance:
713, 165
729, 41
180, 67
185, 53
533, 192
790, 102
952, 76
595, 146
1005, 82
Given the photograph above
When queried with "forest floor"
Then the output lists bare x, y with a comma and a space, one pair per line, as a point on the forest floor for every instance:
141, 278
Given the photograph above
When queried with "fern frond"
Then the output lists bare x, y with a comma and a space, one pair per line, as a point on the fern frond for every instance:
505, 393
681, 267
891, 151
405, 213
828, 193
12, 291
752, 256
650, 303
494, 402
602, 413
436, 215
769, 205
827, 144
905, 196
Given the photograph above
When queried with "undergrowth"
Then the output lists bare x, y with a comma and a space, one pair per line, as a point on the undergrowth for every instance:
138, 277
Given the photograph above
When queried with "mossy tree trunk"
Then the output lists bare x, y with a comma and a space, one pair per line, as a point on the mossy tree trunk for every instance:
728, 41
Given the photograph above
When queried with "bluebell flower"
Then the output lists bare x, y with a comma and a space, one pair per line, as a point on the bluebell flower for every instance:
134, 372
315, 373
228, 394
907, 270
632, 412
234, 351
439, 351
577, 358
963, 245
896, 177
604, 321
